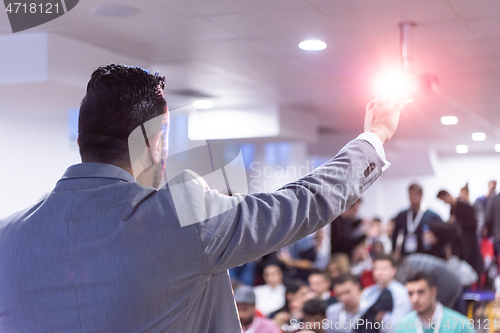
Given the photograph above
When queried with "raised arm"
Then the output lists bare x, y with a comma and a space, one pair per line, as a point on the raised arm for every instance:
264, 222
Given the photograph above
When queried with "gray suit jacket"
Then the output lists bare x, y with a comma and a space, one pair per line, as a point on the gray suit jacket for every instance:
104, 254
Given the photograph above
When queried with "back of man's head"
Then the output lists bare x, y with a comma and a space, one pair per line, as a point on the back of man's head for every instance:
119, 99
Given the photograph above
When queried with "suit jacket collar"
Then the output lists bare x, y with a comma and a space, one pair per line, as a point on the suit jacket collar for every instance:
96, 170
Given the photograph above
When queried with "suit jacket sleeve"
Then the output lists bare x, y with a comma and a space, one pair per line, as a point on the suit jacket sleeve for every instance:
264, 222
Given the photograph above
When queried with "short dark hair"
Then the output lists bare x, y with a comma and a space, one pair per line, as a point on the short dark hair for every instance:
343, 278
386, 257
442, 194
415, 188
294, 286
314, 307
418, 276
119, 99
324, 274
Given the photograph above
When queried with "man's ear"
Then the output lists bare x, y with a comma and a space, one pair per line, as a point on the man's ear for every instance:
78, 143
155, 147
434, 291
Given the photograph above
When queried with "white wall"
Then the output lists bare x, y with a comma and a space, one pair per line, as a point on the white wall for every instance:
35, 151
390, 194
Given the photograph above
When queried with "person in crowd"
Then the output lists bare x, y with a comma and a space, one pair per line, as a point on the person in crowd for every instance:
321, 283
339, 264
299, 258
346, 231
428, 314
270, 296
297, 294
362, 264
114, 242
449, 279
481, 204
386, 237
384, 272
250, 323
314, 317
340, 316
464, 194
492, 223
377, 248
463, 216
419, 229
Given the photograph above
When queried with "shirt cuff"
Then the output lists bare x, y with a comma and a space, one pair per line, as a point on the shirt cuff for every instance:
375, 141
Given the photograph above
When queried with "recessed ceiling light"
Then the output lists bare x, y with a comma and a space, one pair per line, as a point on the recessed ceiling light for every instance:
461, 149
497, 147
203, 104
449, 120
116, 10
478, 136
312, 45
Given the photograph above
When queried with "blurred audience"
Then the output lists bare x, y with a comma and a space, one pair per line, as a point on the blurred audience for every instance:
362, 265
346, 231
341, 315
481, 204
270, 296
418, 229
463, 217
245, 302
339, 264
339, 275
299, 258
314, 316
428, 313
321, 283
384, 272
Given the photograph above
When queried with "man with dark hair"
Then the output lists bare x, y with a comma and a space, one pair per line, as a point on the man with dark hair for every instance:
314, 317
418, 229
342, 316
428, 314
384, 272
463, 218
320, 283
106, 252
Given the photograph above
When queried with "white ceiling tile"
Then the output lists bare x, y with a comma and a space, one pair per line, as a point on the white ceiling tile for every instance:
474, 9
301, 22
236, 6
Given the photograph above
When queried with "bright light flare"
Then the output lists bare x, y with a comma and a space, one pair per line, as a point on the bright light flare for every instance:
462, 149
497, 147
395, 84
449, 120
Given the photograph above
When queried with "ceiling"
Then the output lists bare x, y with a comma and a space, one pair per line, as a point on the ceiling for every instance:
246, 51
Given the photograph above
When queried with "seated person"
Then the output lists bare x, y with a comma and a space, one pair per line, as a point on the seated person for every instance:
270, 296
245, 302
429, 315
384, 271
299, 258
340, 316
320, 283
314, 317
